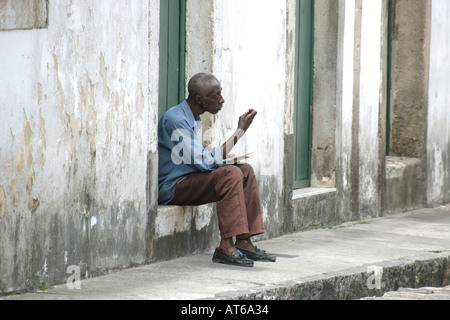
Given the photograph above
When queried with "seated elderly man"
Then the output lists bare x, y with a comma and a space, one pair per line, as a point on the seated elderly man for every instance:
190, 175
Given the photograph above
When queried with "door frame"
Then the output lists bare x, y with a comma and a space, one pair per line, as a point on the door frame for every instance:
172, 57
303, 93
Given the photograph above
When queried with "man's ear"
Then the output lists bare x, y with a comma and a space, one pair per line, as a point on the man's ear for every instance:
198, 99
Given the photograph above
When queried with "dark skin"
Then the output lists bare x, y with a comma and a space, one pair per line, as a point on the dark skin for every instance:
212, 102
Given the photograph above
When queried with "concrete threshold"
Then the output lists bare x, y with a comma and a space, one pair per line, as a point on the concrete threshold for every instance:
308, 192
351, 261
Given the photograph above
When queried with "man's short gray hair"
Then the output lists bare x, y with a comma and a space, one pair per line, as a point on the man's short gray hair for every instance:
201, 83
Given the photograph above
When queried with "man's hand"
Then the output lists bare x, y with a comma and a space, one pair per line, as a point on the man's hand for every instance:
244, 123
246, 119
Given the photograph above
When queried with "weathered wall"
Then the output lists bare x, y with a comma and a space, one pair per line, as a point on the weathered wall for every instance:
370, 102
250, 59
344, 106
151, 173
438, 139
419, 93
75, 135
404, 184
409, 75
326, 18
361, 91
409, 56
23, 14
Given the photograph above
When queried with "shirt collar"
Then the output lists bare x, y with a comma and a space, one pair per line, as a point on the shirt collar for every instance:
195, 123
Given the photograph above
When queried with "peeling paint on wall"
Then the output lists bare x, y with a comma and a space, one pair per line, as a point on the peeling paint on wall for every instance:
43, 146
60, 89
12, 184
140, 100
2, 201
24, 163
39, 93
438, 136
369, 102
24, 154
104, 75
75, 137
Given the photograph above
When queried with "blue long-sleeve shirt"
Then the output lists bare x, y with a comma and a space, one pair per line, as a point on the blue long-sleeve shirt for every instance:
180, 151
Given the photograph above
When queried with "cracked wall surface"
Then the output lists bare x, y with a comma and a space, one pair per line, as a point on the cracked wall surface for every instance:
75, 140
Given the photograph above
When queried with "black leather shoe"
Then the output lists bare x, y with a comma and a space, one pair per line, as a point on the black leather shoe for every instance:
258, 255
237, 258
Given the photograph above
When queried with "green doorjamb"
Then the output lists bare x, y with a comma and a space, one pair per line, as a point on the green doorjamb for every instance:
172, 54
303, 94
389, 70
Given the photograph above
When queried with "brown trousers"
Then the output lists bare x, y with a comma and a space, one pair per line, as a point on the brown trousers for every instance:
235, 190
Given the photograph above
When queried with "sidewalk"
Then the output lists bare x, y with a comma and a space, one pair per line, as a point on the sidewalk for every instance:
351, 261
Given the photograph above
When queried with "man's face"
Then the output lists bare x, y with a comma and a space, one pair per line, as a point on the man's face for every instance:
213, 101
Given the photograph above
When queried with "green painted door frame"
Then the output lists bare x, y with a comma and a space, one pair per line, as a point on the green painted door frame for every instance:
172, 81
303, 93
389, 75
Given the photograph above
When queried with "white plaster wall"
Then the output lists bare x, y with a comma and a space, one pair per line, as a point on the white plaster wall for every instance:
369, 105
80, 90
153, 76
344, 103
250, 60
74, 132
369, 89
438, 154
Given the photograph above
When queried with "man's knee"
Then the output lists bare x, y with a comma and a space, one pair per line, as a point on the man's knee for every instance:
228, 178
233, 172
246, 169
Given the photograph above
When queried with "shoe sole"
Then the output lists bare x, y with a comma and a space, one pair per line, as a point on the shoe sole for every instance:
218, 260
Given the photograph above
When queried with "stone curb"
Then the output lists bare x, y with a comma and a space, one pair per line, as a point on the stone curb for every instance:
428, 270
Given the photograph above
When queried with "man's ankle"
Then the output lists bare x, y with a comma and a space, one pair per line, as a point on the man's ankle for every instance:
227, 246
245, 243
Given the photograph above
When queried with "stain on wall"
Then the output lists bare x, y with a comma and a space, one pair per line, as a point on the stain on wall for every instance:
24, 163
2, 201
23, 14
